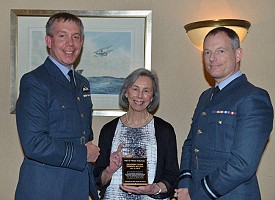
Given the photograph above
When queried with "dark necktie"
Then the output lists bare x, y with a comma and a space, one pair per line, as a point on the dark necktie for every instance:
70, 73
214, 92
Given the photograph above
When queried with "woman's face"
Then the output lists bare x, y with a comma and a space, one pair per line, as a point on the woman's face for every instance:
140, 94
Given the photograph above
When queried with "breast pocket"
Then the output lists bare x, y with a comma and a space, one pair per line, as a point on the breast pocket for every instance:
221, 130
61, 114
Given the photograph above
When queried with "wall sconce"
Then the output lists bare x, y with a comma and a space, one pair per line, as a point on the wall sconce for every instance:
196, 31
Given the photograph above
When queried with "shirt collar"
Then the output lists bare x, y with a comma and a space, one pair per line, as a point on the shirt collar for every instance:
228, 80
62, 68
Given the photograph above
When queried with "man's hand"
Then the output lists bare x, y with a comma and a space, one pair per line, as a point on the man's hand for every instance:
92, 152
182, 194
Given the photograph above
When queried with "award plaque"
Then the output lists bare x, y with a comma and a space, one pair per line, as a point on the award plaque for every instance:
134, 171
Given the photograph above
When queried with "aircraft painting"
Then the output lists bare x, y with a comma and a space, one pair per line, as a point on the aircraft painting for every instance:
103, 51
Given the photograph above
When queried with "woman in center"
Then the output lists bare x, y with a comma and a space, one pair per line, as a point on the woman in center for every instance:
138, 134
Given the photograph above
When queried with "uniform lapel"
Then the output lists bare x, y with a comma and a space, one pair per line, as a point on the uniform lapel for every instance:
53, 70
226, 91
78, 83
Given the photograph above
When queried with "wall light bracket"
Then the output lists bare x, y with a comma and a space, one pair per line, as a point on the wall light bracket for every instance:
196, 31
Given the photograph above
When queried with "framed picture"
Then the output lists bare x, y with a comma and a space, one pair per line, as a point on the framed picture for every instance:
115, 44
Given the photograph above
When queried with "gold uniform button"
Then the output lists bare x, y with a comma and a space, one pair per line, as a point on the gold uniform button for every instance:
199, 132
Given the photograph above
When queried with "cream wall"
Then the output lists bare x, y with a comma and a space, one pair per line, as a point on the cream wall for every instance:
176, 60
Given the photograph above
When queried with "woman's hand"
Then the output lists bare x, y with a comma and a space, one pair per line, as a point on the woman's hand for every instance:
115, 160
114, 165
149, 189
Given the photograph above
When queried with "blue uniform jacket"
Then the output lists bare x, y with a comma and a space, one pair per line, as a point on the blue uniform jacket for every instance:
54, 123
228, 135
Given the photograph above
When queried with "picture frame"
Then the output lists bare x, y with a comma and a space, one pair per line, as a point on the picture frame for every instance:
116, 43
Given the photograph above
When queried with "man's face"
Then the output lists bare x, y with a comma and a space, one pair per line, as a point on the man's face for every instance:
220, 60
66, 43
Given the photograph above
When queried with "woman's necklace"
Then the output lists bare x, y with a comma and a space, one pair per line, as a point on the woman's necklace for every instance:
138, 124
